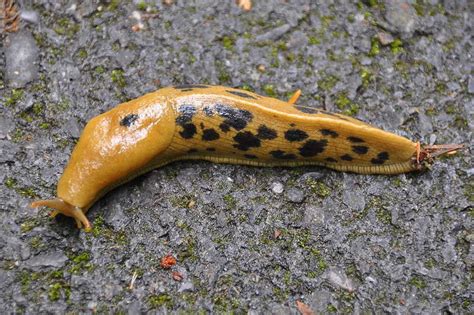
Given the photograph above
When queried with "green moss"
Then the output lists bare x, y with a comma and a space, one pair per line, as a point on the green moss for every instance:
188, 250
437, 9
430, 263
54, 291
417, 282
466, 304
247, 87
344, 103
182, 201
82, 53
15, 96
113, 5
25, 280
44, 125
331, 55
280, 294
327, 82
99, 230
10, 182
269, 89
159, 300
28, 225
18, 135
396, 46
322, 265
99, 70
326, 20
402, 67
460, 122
62, 106
469, 191
419, 7
374, 47
431, 111
118, 78
228, 42
37, 108
27, 192
222, 75
383, 215
36, 242
80, 262
318, 187
313, 40
331, 308
167, 25
230, 201
66, 27
142, 6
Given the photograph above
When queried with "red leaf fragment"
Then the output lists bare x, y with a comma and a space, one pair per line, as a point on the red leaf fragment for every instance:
303, 308
168, 261
177, 276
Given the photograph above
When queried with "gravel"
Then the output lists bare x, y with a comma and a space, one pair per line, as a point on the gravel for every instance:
246, 239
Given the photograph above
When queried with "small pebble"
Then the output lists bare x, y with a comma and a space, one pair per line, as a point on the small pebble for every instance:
295, 195
277, 188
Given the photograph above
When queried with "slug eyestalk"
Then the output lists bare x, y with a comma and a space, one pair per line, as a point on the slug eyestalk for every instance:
60, 206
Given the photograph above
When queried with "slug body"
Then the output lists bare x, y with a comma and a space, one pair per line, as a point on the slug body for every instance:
222, 125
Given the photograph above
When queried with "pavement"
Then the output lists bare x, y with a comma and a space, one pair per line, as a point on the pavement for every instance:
246, 239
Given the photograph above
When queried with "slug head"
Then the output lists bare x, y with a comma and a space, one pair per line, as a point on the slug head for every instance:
114, 147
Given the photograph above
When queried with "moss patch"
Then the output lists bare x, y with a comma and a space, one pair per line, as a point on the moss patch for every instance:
159, 300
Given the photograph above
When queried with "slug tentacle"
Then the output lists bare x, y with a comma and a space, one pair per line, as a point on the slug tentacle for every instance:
60, 206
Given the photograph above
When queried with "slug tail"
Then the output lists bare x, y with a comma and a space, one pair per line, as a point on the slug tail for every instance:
61, 206
425, 155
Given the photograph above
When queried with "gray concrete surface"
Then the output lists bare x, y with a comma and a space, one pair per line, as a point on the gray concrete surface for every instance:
246, 239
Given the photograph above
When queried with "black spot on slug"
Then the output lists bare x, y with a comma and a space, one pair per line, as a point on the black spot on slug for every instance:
209, 135
241, 94
187, 90
211, 149
313, 147
185, 114
128, 120
355, 139
329, 132
381, 158
246, 140
383, 155
347, 157
189, 130
330, 159
265, 133
279, 154
250, 156
360, 149
202, 125
235, 118
190, 86
295, 135
292, 125
224, 127
192, 150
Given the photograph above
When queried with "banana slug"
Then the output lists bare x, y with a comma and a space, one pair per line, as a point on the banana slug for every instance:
222, 125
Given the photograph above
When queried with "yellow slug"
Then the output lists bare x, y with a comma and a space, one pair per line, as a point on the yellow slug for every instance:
222, 125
